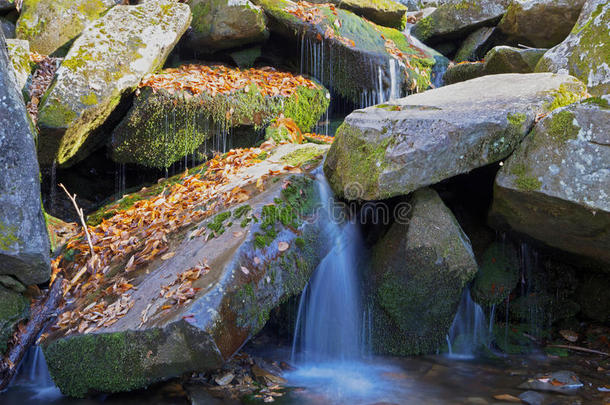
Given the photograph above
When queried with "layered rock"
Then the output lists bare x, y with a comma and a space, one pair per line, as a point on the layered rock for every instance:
539, 23
584, 53
51, 24
19, 53
419, 269
164, 125
362, 54
394, 149
225, 24
106, 62
388, 13
24, 244
236, 246
458, 18
554, 187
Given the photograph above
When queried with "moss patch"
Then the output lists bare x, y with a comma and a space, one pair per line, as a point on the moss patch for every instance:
523, 180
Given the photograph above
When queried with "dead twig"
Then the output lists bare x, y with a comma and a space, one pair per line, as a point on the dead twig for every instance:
81, 216
580, 349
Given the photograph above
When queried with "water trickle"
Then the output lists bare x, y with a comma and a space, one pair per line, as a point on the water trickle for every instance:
329, 323
34, 376
439, 68
53, 190
468, 332
394, 85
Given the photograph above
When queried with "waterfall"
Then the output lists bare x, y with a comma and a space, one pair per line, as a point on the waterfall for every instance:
439, 68
329, 322
33, 376
468, 331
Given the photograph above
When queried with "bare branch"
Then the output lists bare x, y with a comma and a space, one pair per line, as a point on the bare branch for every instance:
81, 216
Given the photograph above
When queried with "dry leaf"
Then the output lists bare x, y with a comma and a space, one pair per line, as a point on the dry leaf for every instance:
282, 246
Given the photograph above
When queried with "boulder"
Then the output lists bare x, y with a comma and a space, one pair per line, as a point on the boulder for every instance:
498, 275
106, 62
7, 5
360, 57
393, 149
24, 244
147, 137
225, 24
50, 24
475, 46
7, 27
14, 308
506, 59
388, 13
554, 187
19, 53
456, 19
539, 23
419, 269
584, 53
222, 265
463, 71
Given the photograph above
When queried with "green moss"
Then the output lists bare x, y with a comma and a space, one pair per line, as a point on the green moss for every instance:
516, 119
217, 224
302, 155
598, 101
55, 114
566, 95
242, 211
498, 274
423, 28
523, 180
561, 126
89, 99
300, 242
8, 236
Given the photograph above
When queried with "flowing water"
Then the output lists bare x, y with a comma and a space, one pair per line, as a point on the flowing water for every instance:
469, 330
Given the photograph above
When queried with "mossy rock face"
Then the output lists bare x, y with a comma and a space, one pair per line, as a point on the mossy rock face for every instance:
223, 24
250, 272
475, 46
388, 13
419, 270
393, 149
19, 53
356, 48
506, 59
14, 308
458, 18
594, 299
586, 51
24, 244
162, 127
553, 186
498, 274
463, 71
51, 24
107, 61
539, 23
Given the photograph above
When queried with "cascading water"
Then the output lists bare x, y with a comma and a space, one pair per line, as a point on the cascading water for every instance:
468, 332
33, 380
329, 322
439, 68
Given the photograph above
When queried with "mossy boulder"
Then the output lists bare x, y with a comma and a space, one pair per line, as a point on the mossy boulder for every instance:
475, 46
19, 53
498, 274
456, 19
586, 51
223, 24
419, 269
388, 13
506, 59
164, 126
463, 71
358, 53
539, 23
249, 272
14, 308
393, 149
24, 244
106, 62
51, 24
554, 187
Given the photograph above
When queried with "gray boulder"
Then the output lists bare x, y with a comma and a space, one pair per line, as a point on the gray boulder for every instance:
539, 23
24, 244
463, 71
555, 186
7, 5
106, 62
584, 53
51, 24
394, 149
251, 256
19, 53
475, 46
506, 59
7, 27
225, 24
458, 18
419, 269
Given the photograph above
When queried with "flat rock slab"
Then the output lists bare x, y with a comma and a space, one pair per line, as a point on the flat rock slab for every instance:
252, 256
394, 149
24, 244
555, 186
107, 61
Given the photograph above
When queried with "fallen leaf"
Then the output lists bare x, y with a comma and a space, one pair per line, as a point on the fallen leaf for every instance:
282, 246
